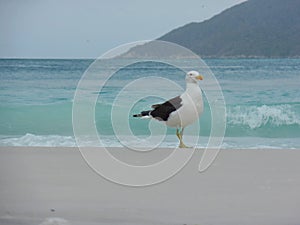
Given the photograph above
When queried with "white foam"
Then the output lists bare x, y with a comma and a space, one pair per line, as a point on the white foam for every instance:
257, 116
39, 140
170, 141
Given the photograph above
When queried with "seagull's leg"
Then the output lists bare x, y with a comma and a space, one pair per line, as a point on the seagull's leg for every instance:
179, 135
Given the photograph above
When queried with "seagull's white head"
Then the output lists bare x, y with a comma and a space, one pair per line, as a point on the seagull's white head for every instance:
193, 77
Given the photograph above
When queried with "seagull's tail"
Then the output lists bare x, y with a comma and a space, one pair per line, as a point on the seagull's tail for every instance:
144, 114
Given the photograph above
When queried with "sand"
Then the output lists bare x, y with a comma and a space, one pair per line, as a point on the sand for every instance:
55, 186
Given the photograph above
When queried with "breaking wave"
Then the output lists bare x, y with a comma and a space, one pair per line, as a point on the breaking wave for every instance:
265, 120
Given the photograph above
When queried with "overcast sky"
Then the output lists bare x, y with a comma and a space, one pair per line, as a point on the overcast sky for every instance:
87, 29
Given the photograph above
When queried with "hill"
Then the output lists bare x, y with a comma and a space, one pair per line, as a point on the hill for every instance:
256, 28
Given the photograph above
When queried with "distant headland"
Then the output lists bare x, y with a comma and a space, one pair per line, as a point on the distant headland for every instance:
252, 29
256, 28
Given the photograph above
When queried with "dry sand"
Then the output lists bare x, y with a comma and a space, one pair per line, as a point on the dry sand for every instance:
55, 186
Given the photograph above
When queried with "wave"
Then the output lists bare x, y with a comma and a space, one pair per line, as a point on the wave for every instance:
170, 141
281, 120
39, 141
259, 116
274, 121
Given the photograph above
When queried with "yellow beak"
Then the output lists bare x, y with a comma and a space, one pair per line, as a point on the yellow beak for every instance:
199, 77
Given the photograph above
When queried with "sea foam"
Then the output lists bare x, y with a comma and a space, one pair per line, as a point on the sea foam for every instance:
170, 141
258, 116
39, 140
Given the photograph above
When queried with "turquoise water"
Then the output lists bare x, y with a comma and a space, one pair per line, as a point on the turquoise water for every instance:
262, 101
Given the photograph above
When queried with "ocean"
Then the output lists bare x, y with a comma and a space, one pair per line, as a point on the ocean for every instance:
262, 102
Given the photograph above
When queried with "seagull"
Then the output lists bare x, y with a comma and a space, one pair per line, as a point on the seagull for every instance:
181, 111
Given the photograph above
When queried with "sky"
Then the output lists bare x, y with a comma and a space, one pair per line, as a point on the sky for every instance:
87, 29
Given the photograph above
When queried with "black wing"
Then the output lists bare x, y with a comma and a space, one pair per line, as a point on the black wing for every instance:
162, 111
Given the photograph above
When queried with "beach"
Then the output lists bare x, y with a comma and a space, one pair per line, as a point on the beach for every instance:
80, 81
41, 185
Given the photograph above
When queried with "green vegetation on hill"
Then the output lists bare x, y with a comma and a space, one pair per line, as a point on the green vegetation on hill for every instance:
256, 28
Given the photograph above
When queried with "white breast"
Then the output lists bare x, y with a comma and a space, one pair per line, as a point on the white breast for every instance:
191, 109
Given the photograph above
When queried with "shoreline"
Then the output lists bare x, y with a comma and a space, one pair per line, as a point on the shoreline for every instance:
54, 185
